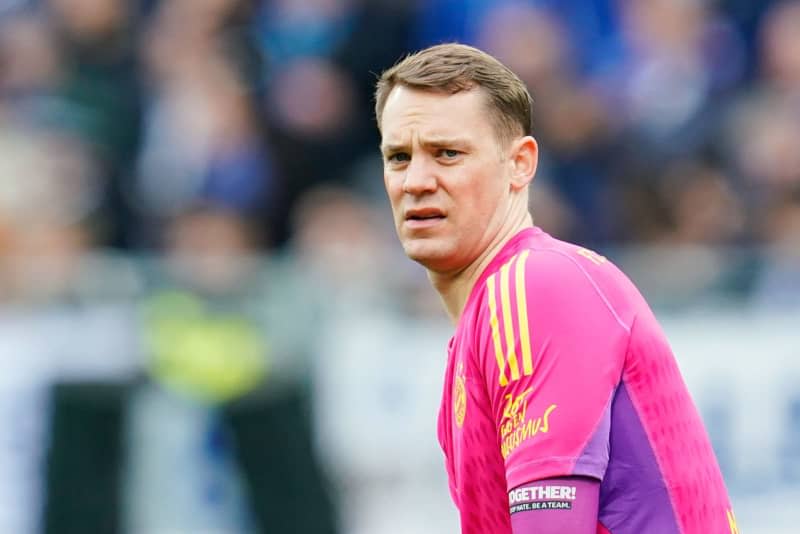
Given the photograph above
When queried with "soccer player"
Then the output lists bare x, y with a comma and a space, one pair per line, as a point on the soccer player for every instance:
563, 409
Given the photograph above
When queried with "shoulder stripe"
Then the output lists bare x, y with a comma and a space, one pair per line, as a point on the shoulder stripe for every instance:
512, 332
732, 521
498, 350
508, 325
522, 314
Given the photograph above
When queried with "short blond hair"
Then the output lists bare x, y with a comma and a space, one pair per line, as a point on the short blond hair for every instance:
451, 68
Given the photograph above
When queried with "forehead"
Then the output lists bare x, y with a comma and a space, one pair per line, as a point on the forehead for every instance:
411, 111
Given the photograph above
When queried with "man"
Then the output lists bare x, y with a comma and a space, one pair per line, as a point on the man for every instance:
563, 408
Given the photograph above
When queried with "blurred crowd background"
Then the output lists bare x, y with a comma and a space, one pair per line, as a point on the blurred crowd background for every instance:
206, 322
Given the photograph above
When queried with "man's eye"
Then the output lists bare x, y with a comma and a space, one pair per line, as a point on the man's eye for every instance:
448, 153
399, 157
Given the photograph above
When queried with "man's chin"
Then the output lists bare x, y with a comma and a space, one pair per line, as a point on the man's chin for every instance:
433, 258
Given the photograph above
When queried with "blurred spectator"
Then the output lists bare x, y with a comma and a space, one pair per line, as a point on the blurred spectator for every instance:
322, 59
227, 353
550, 212
574, 128
763, 142
219, 314
50, 193
778, 285
762, 129
705, 209
748, 16
366, 407
591, 25
203, 138
681, 58
98, 92
341, 242
205, 344
780, 47
65, 314
685, 221
29, 66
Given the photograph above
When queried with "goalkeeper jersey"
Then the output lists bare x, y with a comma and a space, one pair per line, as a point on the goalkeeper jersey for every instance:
558, 368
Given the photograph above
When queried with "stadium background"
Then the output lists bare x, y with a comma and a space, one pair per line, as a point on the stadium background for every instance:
206, 323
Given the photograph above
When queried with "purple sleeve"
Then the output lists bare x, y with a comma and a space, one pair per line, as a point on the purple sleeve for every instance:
565, 505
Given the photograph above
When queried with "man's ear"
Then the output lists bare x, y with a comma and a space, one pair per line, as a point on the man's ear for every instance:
524, 158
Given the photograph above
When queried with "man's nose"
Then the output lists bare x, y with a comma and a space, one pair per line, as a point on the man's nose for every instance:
420, 177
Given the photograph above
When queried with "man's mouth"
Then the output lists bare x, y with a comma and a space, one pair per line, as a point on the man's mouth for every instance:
423, 218
424, 214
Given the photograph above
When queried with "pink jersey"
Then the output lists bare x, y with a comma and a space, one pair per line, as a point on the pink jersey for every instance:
559, 368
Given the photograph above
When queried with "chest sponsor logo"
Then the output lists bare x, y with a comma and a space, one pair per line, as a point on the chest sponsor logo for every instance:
460, 396
515, 427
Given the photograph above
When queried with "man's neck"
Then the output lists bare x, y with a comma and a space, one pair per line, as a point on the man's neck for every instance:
455, 288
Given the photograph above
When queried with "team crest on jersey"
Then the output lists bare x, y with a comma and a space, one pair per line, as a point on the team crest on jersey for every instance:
460, 396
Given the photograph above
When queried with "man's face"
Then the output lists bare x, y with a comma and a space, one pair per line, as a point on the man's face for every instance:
446, 175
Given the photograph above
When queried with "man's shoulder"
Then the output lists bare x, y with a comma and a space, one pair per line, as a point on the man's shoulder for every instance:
551, 273
542, 272
551, 264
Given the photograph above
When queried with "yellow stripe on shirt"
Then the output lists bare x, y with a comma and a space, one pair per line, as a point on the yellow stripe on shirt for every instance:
508, 327
522, 314
498, 349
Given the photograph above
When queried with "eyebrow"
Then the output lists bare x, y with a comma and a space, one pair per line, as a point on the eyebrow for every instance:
434, 141
392, 148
